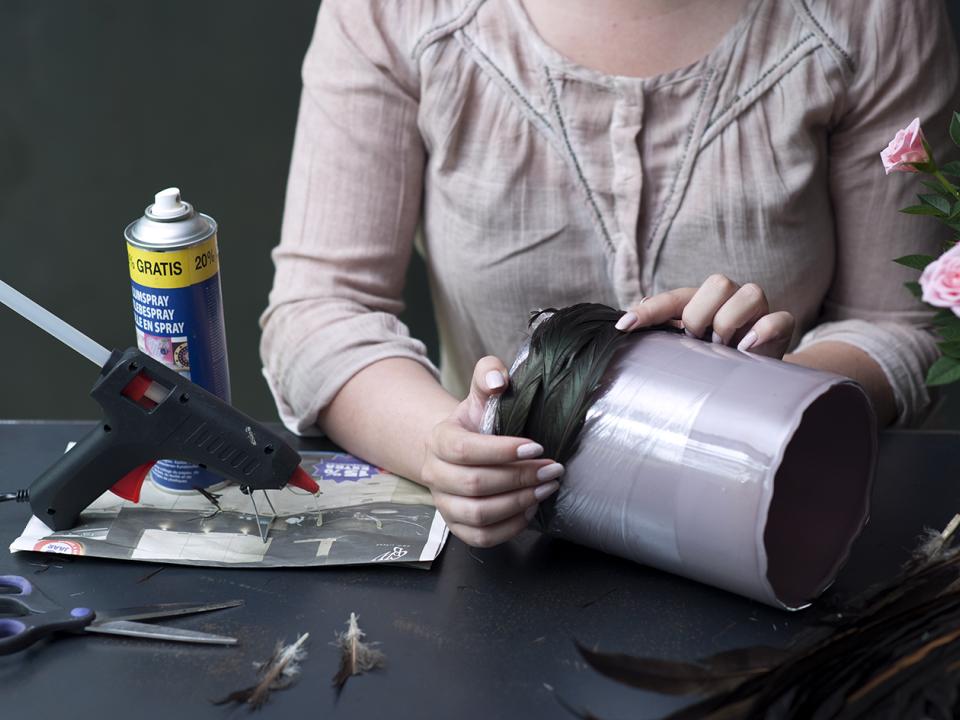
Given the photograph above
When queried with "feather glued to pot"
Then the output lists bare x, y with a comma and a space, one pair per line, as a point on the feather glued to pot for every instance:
741, 471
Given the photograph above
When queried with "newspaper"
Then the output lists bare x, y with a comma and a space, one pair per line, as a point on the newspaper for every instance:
362, 514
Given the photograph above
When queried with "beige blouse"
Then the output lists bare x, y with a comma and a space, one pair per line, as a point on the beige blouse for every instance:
537, 182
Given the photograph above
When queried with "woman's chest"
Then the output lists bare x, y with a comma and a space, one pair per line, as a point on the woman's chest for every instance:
567, 190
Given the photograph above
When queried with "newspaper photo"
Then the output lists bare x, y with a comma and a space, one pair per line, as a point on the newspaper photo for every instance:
362, 514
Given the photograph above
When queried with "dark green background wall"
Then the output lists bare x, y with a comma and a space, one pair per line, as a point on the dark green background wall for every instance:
104, 102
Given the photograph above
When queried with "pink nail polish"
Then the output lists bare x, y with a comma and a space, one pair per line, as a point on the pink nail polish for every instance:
626, 321
748, 341
494, 380
546, 490
529, 450
550, 472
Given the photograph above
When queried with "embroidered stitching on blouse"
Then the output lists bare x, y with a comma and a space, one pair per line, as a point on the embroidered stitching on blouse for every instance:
851, 65
719, 127
431, 35
555, 101
770, 70
503, 76
708, 79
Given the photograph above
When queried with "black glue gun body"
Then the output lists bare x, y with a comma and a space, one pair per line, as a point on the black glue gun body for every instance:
151, 412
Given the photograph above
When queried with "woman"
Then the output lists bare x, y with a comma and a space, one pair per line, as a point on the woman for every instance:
714, 162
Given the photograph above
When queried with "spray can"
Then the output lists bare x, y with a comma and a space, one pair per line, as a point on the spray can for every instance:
178, 308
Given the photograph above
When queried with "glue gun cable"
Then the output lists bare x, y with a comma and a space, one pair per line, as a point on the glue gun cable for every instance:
19, 496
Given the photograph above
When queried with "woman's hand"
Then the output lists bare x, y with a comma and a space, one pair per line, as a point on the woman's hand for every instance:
721, 310
486, 487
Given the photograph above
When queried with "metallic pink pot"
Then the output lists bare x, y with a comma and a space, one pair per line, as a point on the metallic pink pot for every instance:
743, 472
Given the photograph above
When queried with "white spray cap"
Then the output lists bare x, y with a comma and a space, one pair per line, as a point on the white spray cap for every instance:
167, 205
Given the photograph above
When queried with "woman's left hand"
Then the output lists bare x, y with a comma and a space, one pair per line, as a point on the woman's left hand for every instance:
721, 311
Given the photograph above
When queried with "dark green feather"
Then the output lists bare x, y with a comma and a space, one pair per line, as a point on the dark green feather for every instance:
552, 390
892, 654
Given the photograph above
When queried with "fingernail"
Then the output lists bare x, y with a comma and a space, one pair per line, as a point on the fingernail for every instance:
686, 331
530, 512
716, 338
626, 321
546, 490
549, 472
529, 450
748, 340
494, 379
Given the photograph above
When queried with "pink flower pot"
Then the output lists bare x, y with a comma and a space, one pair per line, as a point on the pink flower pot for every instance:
743, 472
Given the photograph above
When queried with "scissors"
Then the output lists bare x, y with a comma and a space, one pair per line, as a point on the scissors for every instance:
34, 616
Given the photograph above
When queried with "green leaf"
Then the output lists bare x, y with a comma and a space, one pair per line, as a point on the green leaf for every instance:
955, 213
944, 371
950, 348
944, 316
938, 189
917, 262
949, 333
914, 288
952, 169
955, 129
921, 210
937, 201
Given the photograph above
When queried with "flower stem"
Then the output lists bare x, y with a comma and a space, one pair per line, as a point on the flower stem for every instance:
947, 184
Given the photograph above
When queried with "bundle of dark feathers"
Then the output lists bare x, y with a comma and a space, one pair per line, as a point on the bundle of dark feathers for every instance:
550, 392
890, 654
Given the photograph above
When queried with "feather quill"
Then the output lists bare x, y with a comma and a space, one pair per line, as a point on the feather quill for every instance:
356, 656
893, 653
279, 671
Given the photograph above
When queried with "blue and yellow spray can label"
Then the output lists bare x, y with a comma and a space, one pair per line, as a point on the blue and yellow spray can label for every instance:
178, 314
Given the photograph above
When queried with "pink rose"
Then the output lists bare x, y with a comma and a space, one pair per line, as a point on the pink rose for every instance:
941, 281
905, 149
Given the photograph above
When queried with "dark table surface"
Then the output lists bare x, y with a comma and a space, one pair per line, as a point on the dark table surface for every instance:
484, 634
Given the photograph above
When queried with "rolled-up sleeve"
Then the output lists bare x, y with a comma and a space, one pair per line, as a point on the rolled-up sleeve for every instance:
903, 64
352, 207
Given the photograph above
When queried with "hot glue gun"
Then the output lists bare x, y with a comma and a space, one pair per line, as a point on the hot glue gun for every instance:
150, 412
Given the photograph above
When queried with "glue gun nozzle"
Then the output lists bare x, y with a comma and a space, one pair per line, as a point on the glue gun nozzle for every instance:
301, 479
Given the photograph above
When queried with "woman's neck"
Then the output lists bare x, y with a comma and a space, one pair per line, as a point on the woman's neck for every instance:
639, 38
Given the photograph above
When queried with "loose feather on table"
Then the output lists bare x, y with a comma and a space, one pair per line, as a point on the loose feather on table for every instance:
891, 654
356, 656
278, 672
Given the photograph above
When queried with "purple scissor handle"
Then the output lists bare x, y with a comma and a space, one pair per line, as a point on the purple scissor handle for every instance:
34, 615
27, 615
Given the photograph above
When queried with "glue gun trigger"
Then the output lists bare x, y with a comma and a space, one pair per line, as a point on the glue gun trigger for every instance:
128, 487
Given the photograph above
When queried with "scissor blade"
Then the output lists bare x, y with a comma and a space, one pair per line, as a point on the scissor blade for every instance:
158, 632
160, 610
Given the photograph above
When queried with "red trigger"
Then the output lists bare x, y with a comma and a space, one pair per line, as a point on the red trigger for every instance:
300, 479
128, 487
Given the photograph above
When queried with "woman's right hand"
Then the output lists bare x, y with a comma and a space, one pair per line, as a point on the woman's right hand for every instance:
487, 487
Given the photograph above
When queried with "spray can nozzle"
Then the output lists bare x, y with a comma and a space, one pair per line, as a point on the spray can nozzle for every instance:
167, 205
